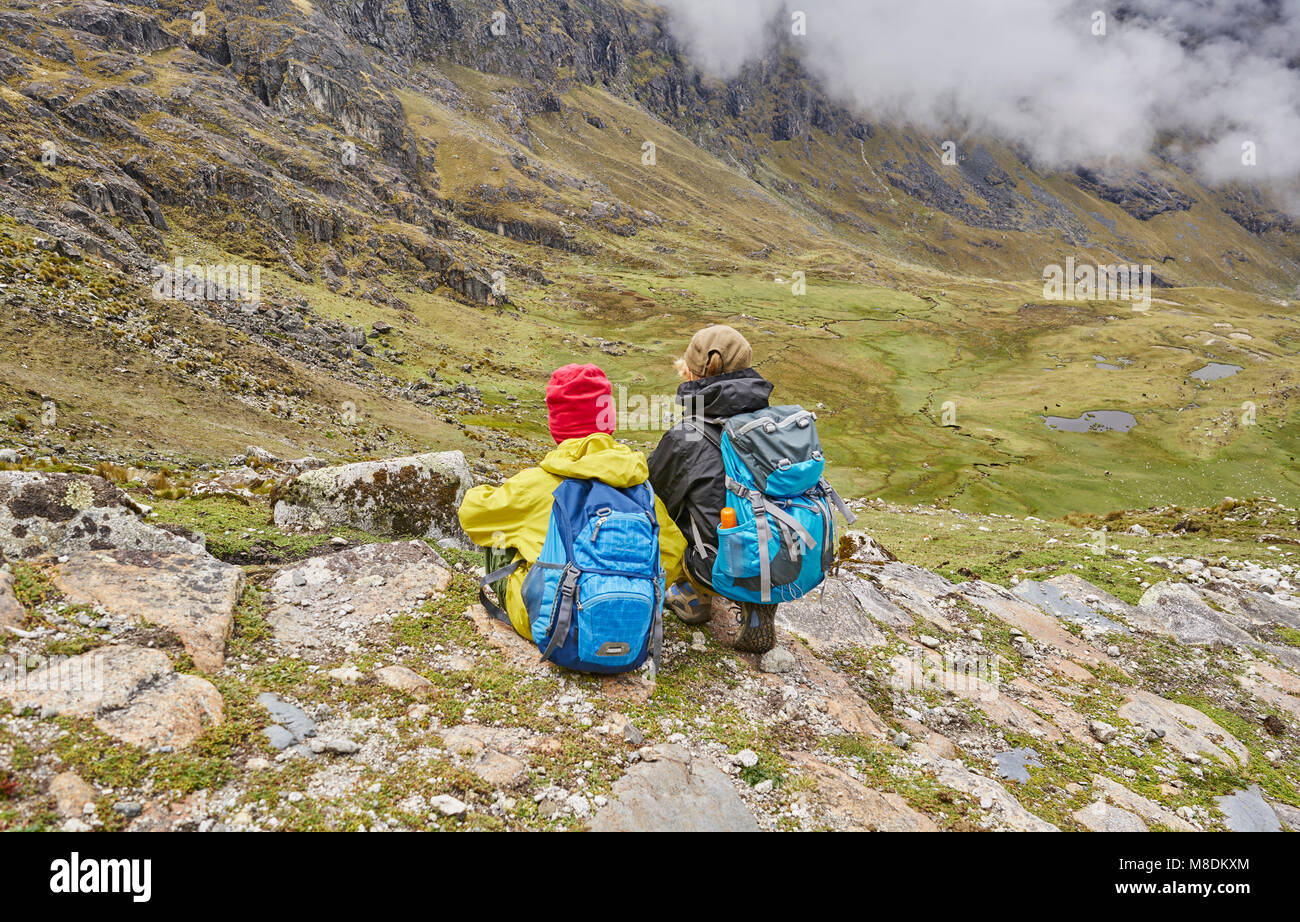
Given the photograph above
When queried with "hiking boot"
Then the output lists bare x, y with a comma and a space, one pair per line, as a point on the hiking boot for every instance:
757, 627
684, 602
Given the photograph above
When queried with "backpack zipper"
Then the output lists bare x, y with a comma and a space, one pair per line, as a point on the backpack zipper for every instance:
617, 594
604, 517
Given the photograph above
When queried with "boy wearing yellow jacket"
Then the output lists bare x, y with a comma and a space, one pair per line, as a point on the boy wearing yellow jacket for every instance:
580, 413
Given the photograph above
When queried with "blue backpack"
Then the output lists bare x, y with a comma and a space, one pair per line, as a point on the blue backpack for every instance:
784, 539
595, 594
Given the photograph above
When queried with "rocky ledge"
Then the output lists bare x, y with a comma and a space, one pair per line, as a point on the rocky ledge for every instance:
354, 682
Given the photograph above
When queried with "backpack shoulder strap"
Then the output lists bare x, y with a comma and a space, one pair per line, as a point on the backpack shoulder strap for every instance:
493, 609
701, 425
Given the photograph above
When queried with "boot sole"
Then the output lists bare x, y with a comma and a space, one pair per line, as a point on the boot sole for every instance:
761, 637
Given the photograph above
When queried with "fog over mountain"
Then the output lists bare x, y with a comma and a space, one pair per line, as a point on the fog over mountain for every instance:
1194, 79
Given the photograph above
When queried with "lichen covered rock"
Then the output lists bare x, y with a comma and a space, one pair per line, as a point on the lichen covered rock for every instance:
43, 513
402, 497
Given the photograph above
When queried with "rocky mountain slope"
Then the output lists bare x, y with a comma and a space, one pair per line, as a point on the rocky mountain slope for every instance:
267, 676
442, 210
1051, 618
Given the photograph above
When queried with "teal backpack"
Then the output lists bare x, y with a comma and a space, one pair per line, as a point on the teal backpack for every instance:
784, 538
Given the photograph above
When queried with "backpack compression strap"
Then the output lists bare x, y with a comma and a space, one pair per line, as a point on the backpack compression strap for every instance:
493, 609
657, 633
563, 616
835, 497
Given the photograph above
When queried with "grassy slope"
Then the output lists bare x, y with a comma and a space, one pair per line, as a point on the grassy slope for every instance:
878, 343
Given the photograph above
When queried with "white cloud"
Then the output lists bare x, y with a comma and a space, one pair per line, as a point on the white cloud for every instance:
1210, 73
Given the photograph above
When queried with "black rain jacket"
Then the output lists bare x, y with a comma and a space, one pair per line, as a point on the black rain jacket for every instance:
686, 467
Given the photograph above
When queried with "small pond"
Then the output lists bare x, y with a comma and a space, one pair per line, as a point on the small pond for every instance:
1094, 421
1214, 371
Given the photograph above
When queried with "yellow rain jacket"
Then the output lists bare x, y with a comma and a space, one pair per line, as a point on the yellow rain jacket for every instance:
517, 513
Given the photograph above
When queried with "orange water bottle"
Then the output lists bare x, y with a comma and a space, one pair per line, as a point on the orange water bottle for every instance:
728, 518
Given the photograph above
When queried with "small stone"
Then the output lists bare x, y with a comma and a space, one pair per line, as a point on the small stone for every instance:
1274, 724
71, 793
578, 805
777, 660
1112, 650
128, 808
448, 805
348, 675
928, 641
632, 734
697, 642
746, 758
763, 787
1102, 731
336, 745
403, 679
279, 737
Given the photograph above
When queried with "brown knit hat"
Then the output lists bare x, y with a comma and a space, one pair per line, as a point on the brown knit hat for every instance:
733, 348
